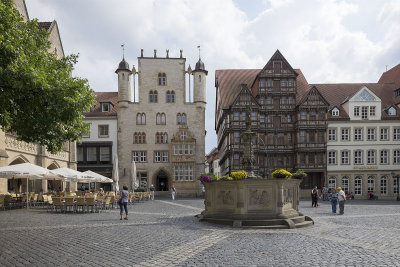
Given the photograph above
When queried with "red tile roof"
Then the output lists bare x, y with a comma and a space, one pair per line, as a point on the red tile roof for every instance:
111, 97
229, 82
391, 76
338, 93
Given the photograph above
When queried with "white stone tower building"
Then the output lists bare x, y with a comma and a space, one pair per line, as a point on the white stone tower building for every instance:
161, 128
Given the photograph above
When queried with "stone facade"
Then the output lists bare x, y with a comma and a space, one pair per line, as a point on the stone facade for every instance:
163, 130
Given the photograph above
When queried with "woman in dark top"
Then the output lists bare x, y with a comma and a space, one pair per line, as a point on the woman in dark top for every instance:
123, 202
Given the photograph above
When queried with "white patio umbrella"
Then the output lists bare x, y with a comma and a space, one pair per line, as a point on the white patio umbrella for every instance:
71, 174
98, 177
115, 175
134, 183
28, 171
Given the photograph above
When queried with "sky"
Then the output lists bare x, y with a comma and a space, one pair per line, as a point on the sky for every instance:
331, 41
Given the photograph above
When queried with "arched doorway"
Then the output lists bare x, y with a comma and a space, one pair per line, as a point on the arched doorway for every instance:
162, 181
17, 185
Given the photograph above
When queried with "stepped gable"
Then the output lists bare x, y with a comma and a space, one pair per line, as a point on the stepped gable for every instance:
391, 76
111, 97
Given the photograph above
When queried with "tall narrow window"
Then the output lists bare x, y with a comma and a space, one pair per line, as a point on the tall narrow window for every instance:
364, 113
396, 134
332, 182
345, 134
384, 157
371, 134
370, 184
345, 184
357, 185
332, 157
356, 111
345, 157
371, 157
151, 97
383, 185
358, 157
396, 157
179, 118
168, 97
143, 118
332, 134
372, 111
172, 96
184, 118
358, 134
162, 79
236, 116
384, 134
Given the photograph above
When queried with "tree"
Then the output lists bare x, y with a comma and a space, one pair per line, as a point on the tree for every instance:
39, 99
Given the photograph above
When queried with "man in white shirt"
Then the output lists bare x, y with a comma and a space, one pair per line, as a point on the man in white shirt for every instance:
342, 199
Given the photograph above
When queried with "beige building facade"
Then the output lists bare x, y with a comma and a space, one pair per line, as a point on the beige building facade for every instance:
163, 128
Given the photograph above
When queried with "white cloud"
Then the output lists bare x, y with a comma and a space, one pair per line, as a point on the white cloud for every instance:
325, 38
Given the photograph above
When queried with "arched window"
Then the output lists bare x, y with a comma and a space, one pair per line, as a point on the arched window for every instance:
370, 184
183, 118
135, 138
151, 98
357, 185
332, 182
158, 118
157, 138
143, 138
172, 96
139, 119
165, 138
345, 184
178, 118
143, 118
155, 96
162, 79
163, 118
383, 185
168, 96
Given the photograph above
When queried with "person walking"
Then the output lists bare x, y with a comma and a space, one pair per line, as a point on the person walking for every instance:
334, 199
342, 199
173, 192
314, 197
324, 193
123, 202
152, 191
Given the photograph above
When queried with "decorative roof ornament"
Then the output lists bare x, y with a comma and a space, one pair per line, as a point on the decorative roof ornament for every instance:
199, 64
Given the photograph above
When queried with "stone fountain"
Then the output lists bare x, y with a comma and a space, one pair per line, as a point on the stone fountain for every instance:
266, 203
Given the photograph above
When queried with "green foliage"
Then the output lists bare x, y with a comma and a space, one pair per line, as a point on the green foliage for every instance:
281, 174
39, 99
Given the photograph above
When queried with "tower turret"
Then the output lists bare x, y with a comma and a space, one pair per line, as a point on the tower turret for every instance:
124, 83
199, 82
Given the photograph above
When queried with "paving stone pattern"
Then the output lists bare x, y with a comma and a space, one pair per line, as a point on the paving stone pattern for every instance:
165, 233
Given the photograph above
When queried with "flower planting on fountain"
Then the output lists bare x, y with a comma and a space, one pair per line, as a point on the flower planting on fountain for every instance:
240, 175
281, 174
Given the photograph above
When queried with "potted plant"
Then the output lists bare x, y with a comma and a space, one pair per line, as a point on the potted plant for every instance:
281, 174
299, 175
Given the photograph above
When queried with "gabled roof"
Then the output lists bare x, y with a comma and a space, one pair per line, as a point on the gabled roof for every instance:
102, 97
391, 76
337, 94
277, 56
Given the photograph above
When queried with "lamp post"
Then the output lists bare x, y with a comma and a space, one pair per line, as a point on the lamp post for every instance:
397, 184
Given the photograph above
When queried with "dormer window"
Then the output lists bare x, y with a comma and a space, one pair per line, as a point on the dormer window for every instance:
391, 111
335, 112
105, 107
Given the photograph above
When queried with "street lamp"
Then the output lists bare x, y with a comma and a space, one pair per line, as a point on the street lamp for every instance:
398, 188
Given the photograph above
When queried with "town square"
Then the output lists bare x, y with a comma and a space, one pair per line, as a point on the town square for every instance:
199, 133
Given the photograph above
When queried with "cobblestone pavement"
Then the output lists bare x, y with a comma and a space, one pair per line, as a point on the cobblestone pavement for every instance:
165, 233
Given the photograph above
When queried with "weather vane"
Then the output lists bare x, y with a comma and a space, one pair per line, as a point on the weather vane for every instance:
123, 50
199, 51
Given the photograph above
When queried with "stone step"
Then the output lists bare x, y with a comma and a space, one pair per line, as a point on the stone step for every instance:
304, 224
298, 219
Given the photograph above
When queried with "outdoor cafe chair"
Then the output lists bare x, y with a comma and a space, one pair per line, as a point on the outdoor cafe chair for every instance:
69, 204
49, 202
107, 203
80, 203
2, 205
57, 204
90, 203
